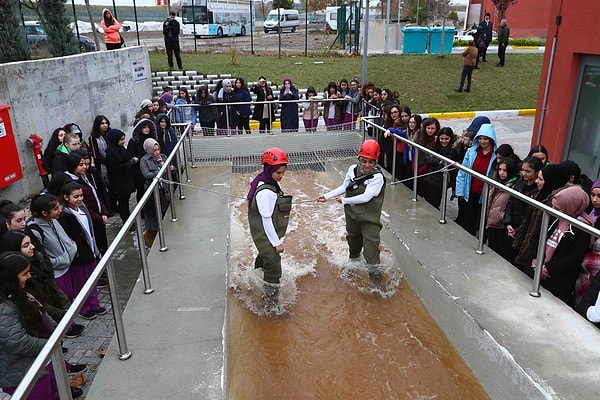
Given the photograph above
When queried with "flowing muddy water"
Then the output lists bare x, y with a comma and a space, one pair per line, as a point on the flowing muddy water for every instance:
338, 337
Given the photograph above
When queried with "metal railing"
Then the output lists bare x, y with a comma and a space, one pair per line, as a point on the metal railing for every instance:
230, 107
449, 164
53, 349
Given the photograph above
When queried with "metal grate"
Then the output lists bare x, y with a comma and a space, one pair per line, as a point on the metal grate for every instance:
314, 160
305, 151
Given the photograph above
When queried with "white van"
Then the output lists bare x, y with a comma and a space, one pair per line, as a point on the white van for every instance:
281, 18
331, 18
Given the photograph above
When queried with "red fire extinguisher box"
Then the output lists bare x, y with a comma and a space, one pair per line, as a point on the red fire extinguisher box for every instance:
10, 167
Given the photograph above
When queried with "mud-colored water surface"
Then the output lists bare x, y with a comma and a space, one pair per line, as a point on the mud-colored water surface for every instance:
336, 334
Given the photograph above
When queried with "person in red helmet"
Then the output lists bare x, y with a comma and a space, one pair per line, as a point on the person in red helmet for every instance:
364, 189
268, 214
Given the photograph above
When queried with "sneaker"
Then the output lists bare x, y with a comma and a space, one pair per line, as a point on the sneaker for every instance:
77, 368
88, 315
75, 331
76, 392
100, 311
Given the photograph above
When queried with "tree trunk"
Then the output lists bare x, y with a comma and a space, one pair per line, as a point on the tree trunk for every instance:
89, 11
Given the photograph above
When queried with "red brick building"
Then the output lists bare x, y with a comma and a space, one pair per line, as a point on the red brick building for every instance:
526, 18
567, 120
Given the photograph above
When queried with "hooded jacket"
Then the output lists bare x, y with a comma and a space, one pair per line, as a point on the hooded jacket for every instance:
111, 32
136, 148
58, 245
167, 138
463, 179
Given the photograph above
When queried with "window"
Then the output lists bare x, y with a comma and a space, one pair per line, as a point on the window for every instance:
584, 140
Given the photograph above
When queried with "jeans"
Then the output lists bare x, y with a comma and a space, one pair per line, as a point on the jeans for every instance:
466, 73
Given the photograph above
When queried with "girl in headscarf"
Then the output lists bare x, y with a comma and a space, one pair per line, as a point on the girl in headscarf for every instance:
120, 162
565, 245
150, 164
550, 178
289, 109
268, 213
227, 120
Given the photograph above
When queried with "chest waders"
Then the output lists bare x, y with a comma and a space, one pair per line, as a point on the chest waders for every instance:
363, 221
268, 259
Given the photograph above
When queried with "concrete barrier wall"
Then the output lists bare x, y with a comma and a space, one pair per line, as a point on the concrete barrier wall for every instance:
46, 94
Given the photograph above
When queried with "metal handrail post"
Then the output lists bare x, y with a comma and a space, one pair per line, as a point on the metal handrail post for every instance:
60, 373
541, 255
184, 145
444, 194
178, 169
482, 215
113, 289
157, 206
191, 148
415, 175
394, 153
172, 194
143, 255
227, 120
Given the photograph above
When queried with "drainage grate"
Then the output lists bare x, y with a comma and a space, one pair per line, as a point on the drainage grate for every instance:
314, 160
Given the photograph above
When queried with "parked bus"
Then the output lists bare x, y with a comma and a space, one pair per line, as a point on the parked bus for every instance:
216, 18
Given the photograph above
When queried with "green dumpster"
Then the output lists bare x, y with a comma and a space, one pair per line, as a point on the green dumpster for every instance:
415, 39
435, 39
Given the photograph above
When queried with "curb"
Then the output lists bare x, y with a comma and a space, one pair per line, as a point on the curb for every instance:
527, 112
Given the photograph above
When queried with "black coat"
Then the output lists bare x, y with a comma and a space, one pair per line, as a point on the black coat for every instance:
119, 162
70, 223
565, 264
261, 95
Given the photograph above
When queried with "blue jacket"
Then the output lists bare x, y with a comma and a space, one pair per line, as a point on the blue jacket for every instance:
463, 179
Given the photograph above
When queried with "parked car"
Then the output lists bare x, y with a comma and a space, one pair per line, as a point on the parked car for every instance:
36, 36
467, 34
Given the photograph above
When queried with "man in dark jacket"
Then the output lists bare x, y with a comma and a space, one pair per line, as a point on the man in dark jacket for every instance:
486, 26
503, 35
171, 34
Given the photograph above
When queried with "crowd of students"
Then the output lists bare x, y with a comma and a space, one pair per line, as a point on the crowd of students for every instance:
230, 107
512, 227
46, 258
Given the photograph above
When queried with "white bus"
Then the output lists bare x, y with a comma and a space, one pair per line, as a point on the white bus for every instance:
216, 18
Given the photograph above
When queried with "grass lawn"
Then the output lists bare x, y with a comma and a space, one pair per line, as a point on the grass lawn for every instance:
426, 83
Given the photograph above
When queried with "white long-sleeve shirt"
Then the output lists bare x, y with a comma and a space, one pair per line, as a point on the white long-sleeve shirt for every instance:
265, 200
373, 187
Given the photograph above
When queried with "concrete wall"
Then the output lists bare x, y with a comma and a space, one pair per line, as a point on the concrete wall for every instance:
46, 94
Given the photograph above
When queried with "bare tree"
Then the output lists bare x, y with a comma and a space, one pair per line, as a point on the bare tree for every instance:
502, 6
89, 11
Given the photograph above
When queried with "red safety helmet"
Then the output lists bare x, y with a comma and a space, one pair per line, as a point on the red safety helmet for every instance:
369, 149
274, 156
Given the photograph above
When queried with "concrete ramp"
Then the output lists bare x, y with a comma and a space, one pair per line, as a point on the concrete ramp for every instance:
176, 333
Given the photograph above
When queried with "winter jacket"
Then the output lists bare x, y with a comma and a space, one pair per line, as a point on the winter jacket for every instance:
58, 245
87, 251
149, 168
95, 197
167, 138
497, 205
243, 95
206, 112
59, 163
119, 162
136, 148
463, 179
261, 95
515, 208
18, 349
111, 33
289, 111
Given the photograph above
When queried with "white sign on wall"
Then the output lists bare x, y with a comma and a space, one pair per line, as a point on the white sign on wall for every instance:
139, 70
